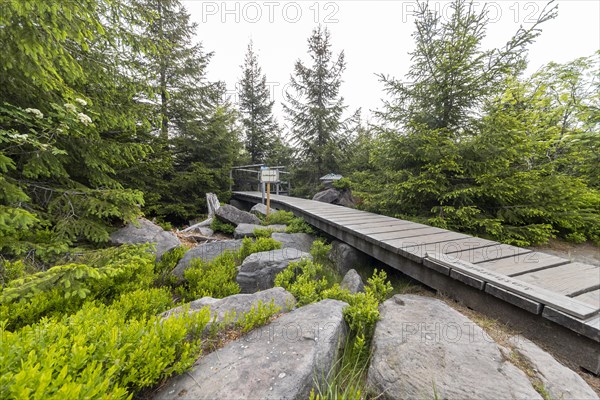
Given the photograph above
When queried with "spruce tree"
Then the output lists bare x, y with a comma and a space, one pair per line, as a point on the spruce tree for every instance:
190, 113
256, 108
68, 122
315, 109
177, 69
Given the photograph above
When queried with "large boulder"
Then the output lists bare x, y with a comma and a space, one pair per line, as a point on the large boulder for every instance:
234, 216
233, 307
299, 241
260, 209
559, 381
341, 197
352, 282
247, 230
345, 257
282, 360
258, 270
205, 252
144, 231
422, 348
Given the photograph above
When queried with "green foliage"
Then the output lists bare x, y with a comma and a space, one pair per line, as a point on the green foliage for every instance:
379, 286
99, 352
471, 146
143, 303
259, 315
342, 184
346, 378
314, 109
256, 109
298, 225
263, 233
304, 279
219, 226
167, 263
215, 278
319, 251
261, 244
280, 217
64, 289
9, 271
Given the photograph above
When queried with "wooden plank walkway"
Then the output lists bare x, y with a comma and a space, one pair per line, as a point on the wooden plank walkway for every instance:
550, 287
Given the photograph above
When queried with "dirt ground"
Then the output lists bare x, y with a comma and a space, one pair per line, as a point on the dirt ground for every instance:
586, 253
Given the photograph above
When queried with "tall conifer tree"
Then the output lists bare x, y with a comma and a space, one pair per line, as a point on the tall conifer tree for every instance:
256, 109
315, 109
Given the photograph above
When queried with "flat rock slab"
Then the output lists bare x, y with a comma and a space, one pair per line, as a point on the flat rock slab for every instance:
247, 230
258, 270
559, 381
281, 360
422, 348
233, 216
144, 231
235, 306
299, 241
205, 252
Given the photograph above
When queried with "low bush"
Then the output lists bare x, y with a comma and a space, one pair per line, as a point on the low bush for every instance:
279, 217
215, 278
304, 279
219, 226
165, 266
319, 251
100, 351
342, 184
250, 246
298, 225
263, 232
10, 270
63, 289
258, 315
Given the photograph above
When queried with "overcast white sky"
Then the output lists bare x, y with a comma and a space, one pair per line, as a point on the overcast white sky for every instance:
375, 36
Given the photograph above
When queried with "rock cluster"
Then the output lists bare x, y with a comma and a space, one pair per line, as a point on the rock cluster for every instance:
143, 231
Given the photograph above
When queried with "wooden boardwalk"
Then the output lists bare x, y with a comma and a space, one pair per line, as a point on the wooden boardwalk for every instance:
543, 294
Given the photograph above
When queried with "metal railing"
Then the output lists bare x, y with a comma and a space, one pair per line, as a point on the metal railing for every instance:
247, 178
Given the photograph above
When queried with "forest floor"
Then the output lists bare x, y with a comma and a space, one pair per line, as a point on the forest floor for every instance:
587, 253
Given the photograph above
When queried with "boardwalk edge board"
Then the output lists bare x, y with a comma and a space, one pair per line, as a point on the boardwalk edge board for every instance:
562, 303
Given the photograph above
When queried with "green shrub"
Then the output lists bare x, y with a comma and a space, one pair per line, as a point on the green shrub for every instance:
379, 286
319, 251
215, 278
303, 279
219, 226
279, 217
97, 353
342, 184
298, 225
9, 271
250, 246
258, 315
263, 233
167, 263
64, 289
144, 302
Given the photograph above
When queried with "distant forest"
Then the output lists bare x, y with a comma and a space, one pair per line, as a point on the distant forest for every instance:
106, 113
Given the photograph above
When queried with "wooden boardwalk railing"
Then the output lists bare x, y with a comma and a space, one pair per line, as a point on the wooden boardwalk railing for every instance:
546, 297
